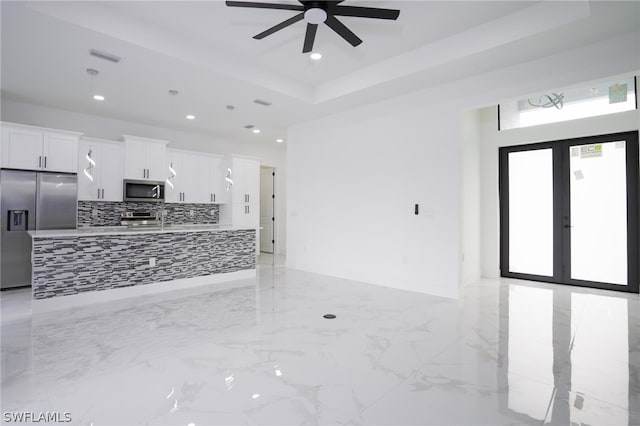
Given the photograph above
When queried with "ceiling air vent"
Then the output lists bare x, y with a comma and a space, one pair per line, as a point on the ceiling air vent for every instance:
104, 55
261, 102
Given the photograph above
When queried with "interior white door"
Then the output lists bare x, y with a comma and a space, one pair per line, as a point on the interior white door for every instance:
266, 210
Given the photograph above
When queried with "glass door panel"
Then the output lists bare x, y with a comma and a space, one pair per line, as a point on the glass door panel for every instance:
531, 212
598, 206
569, 212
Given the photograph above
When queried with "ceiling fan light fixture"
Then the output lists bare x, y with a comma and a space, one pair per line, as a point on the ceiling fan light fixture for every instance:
316, 56
315, 15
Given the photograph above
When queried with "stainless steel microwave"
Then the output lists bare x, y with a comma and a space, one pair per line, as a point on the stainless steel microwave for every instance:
143, 190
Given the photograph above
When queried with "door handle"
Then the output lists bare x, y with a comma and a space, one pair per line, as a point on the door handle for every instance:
103, 193
40, 162
45, 161
214, 198
98, 193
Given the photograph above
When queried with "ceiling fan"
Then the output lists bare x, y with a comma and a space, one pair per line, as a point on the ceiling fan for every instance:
317, 12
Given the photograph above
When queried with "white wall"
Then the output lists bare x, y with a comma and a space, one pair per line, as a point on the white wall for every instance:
108, 128
354, 176
470, 121
491, 139
354, 182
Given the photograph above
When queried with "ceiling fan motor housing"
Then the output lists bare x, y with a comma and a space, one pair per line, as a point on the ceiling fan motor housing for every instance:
315, 15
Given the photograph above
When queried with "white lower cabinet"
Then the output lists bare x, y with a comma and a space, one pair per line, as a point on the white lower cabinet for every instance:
102, 181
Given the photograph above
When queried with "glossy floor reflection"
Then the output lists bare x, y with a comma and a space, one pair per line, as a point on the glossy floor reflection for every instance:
509, 352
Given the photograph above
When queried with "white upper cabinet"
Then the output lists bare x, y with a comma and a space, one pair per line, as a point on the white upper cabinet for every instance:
186, 181
198, 178
35, 148
173, 186
60, 152
221, 189
211, 180
145, 159
107, 174
246, 180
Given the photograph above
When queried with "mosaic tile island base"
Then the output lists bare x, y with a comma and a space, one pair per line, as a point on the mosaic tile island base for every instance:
79, 264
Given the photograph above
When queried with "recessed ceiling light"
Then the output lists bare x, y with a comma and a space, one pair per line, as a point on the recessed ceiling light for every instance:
279, 140
191, 117
256, 130
315, 56
98, 97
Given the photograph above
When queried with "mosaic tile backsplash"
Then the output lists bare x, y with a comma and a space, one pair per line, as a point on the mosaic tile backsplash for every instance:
66, 266
105, 213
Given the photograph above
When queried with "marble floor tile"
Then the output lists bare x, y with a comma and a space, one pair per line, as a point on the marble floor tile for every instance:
507, 352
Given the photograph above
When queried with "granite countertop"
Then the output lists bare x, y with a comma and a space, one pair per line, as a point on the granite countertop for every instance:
123, 230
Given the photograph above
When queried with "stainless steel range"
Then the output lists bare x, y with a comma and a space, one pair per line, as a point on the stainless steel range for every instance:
141, 219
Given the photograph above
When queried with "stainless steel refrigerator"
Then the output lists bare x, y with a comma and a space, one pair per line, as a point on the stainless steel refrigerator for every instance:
31, 201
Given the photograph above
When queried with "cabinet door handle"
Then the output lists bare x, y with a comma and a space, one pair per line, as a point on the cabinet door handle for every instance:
103, 193
40, 162
211, 197
45, 161
214, 198
98, 193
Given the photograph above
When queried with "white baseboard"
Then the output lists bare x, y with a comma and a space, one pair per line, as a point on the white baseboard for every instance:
229, 279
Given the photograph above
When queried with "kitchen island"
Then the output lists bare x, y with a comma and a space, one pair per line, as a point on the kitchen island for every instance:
78, 266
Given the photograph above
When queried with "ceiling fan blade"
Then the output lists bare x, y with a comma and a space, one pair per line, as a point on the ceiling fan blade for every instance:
280, 26
365, 12
309, 38
342, 31
264, 5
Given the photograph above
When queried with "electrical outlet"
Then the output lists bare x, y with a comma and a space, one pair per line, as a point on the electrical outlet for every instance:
152, 261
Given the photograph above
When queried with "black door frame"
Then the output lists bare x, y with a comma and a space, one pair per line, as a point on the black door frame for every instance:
561, 211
